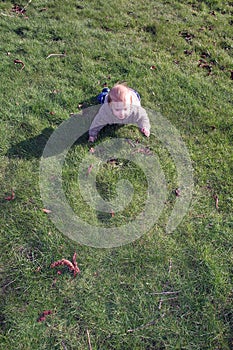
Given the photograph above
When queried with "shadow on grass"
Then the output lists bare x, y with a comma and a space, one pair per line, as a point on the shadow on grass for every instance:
32, 147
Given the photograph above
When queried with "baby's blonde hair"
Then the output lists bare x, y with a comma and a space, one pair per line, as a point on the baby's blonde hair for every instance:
118, 93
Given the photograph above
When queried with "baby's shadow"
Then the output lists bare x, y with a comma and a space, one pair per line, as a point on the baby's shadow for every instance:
51, 141
32, 147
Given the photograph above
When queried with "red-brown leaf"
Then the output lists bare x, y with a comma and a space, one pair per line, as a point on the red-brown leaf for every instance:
19, 62
11, 197
73, 266
76, 268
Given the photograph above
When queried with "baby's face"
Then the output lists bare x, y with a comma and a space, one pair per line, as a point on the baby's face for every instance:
121, 110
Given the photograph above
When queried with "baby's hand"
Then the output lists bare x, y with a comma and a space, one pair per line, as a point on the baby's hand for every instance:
92, 139
145, 132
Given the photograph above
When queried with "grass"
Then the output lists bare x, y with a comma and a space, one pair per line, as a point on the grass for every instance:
119, 297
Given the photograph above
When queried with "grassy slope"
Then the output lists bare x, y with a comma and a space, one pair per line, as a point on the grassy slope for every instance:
112, 41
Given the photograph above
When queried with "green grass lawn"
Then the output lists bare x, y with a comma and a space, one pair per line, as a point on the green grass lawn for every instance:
164, 290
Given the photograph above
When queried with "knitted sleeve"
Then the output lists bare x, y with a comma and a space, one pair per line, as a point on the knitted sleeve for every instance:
140, 118
102, 118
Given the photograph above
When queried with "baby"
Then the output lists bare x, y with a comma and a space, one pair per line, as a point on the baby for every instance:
122, 106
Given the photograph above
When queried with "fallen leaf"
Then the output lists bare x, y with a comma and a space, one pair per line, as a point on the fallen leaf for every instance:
17, 9
204, 64
73, 266
42, 317
202, 28
186, 35
11, 197
54, 282
188, 52
113, 161
177, 192
47, 312
76, 268
205, 55
63, 262
55, 92
19, 62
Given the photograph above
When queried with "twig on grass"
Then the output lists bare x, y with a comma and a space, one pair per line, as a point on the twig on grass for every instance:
24, 8
56, 55
144, 150
170, 266
162, 300
166, 293
89, 340
6, 285
6, 15
151, 323
141, 327
216, 201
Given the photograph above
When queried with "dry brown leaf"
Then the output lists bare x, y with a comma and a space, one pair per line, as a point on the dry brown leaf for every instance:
43, 316
19, 62
73, 266
11, 197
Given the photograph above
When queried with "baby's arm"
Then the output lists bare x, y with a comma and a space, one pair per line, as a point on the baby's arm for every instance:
98, 123
143, 121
